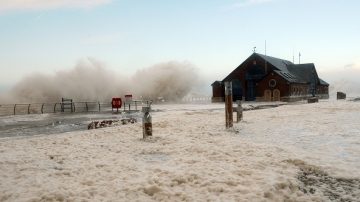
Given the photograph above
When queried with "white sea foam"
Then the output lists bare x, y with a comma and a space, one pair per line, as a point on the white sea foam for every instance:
289, 153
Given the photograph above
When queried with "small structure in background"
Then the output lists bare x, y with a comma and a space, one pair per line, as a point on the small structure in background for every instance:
228, 105
116, 104
340, 96
131, 105
147, 122
67, 103
128, 100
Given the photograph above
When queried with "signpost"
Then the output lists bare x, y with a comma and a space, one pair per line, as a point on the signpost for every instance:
147, 122
116, 103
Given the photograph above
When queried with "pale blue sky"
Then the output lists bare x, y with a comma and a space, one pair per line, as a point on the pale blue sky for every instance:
216, 36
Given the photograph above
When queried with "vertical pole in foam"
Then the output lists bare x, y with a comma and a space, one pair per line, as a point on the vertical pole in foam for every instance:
147, 122
228, 105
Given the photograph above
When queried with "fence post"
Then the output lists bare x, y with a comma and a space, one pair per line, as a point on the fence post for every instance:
147, 122
239, 111
99, 106
29, 109
228, 105
55, 108
15, 109
87, 107
42, 108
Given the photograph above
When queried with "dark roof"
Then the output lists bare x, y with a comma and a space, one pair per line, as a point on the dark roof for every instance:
322, 82
216, 82
278, 63
289, 77
304, 72
294, 73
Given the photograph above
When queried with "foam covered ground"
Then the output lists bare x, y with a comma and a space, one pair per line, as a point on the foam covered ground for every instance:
307, 152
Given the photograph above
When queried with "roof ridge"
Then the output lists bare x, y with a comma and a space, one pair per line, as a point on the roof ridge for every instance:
262, 55
311, 63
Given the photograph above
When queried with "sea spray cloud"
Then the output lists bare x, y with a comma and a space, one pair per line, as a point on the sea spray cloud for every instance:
90, 80
345, 79
171, 80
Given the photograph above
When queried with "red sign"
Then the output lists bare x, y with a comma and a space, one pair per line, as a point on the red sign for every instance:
116, 102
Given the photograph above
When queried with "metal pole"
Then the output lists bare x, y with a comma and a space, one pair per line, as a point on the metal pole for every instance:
147, 122
228, 105
239, 111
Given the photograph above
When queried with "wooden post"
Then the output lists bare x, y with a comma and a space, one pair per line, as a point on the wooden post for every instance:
228, 105
239, 111
147, 122
29, 108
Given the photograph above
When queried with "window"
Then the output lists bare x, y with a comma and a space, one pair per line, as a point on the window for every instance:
272, 83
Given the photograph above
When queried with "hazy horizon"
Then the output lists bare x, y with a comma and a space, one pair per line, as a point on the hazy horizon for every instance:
43, 37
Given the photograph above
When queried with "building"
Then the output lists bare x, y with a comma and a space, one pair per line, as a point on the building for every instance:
265, 78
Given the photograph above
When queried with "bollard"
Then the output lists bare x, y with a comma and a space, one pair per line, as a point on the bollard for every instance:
147, 122
239, 111
340, 96
228, 105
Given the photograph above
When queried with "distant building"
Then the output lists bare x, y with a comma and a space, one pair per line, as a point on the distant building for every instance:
265, 78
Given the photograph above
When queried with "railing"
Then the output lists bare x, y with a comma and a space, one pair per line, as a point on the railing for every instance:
43, 108
204, 99
136, 105
76, 107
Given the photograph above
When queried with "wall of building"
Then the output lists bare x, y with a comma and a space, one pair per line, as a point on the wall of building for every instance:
218, 92
281, 84
323, 91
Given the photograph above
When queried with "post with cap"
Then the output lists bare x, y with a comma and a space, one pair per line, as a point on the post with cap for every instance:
239, 111
228, 105
147, 122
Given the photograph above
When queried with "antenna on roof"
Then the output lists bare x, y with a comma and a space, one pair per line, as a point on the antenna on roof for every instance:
299, 57
254, 50
265, 47
266, 69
